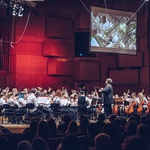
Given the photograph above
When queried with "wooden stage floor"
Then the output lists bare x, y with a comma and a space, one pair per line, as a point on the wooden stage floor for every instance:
15, 128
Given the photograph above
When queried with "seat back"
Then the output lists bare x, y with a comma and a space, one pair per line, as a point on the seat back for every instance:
1, 108
55, 106
6, 106
29, 105
82, 108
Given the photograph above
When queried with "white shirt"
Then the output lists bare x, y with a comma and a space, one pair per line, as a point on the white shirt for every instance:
32, 99
57, 100
12, 102
21, 102
2, 101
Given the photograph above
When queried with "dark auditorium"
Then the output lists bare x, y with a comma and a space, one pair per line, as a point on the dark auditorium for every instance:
74, 75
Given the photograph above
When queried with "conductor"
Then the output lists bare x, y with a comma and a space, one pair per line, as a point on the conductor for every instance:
107, 96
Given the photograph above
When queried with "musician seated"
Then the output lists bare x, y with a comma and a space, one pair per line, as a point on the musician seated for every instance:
142, 103
65, 100
57, 99
32, 99
74, 100
22, 102
133, 102
2, 99
82, 103
44, 106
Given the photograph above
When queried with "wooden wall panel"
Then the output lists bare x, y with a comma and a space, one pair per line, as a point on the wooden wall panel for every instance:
28, 80
57, 48
28, 48
125, 76
56, 67
82, 21
35, 29
3, 78
65, 80
89, 84
59, 27
131, 61
29, 64
5, 62
87, 70
143, 44
144, 75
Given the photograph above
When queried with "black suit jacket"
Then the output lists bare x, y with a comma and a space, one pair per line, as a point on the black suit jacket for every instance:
107, 94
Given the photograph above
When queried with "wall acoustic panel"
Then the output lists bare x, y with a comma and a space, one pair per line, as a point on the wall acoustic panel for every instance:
28, 48
82, 21
29, 64
59, 27
57, 48
3, 79
59, 67
131, 61
144, 75
124, 76
87, 70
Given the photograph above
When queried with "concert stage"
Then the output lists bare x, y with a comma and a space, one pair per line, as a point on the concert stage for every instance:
15, 128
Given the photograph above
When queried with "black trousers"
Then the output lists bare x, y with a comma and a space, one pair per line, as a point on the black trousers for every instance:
107, 109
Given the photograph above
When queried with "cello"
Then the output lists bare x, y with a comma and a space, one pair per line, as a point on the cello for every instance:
130, 108
148, 108
118, 100
140, 107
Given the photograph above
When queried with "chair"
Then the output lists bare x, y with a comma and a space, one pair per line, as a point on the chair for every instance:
82, 110
8, 113
29, 115
53, 142
19, 114
1, 113
56, 110
93, 108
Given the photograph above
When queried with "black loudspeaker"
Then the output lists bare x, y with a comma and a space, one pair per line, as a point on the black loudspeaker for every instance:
82, 44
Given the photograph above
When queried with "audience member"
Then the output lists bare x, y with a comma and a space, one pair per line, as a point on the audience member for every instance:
52, 126
131, 128
72, 127
102, 142
30, 133
42, 129
24, 145
62, 127
5, 143
101, 122
92, 132
70, 142
142, 130
134, 143
39, 143
84, 125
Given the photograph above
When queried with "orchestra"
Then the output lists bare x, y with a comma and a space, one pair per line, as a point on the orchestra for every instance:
69, 102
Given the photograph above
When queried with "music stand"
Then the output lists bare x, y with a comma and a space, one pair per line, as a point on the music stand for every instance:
42, 100
118, 102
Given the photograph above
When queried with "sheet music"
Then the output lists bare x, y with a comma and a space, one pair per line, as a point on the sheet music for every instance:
42, 100
64, 102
